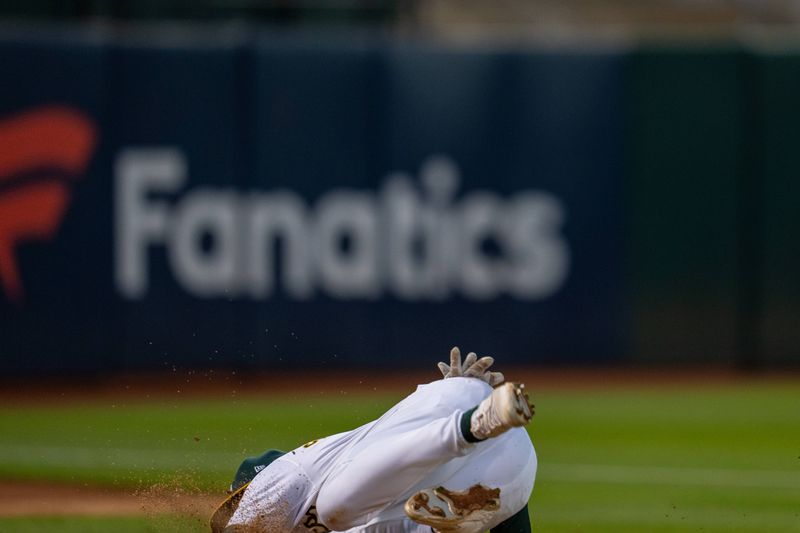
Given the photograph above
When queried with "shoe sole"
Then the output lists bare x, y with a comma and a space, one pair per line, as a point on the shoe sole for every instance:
522, 404
224, 511
446, 510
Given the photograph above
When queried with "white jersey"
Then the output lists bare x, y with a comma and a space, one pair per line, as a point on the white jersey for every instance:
362, 478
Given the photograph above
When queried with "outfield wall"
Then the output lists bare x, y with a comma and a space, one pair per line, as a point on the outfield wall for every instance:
685, 143
259, 199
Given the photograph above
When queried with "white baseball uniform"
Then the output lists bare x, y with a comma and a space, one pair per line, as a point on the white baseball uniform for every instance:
358, 481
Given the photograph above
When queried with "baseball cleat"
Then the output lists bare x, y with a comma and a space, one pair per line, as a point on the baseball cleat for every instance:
506, 407
446, 511
224, 512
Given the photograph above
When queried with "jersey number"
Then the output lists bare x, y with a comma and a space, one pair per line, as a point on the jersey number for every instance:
311, 521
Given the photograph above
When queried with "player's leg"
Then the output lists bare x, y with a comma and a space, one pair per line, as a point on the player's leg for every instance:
381, 472
399, 525
413, 437
492, 484
506, 464
273, 501
263, 499
396, 458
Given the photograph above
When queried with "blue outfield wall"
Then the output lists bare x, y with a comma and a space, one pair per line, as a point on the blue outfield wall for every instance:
279, 200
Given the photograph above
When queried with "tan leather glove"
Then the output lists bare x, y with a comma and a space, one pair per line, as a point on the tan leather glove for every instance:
471, 368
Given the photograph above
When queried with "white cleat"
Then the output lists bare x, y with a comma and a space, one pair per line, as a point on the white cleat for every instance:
446, 511
506, 407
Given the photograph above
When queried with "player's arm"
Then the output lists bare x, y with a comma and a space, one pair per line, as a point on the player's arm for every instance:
519, 523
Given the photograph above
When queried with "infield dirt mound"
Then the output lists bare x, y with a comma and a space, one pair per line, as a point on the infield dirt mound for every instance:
40, 499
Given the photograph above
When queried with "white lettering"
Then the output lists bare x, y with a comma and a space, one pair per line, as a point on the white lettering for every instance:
540, 254
347, 244
481, 217
412, 241
203, 242
141, 221
280, 217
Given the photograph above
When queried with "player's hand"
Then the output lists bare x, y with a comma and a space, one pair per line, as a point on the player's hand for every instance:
472, 367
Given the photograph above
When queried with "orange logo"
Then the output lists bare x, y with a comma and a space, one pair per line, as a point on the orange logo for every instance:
41, 152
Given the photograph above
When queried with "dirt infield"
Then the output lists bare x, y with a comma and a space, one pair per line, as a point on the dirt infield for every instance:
43, 499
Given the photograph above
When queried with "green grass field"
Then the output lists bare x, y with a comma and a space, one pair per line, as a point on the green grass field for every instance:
716, 458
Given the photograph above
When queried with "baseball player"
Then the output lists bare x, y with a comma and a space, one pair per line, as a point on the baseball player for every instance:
451, 457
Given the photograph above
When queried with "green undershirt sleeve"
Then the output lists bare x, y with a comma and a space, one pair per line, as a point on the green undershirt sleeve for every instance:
519, 523
466, 419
